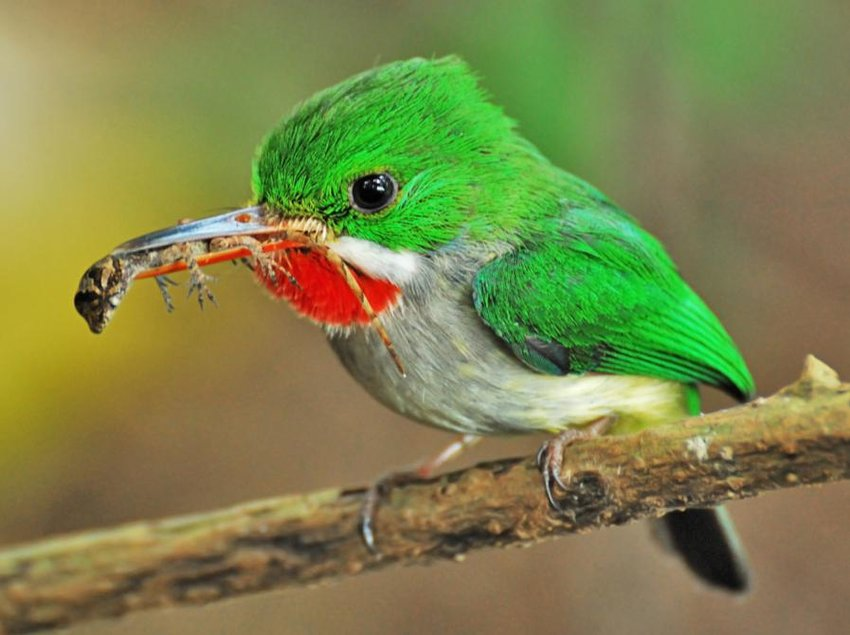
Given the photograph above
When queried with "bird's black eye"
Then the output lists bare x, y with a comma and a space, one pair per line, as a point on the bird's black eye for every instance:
373, 192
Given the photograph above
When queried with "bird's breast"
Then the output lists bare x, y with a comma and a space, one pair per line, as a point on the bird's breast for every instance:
316, 288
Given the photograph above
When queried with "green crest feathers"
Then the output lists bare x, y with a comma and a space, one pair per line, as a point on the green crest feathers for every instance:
431, 126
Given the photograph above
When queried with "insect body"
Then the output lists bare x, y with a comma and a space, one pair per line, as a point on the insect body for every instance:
104, 284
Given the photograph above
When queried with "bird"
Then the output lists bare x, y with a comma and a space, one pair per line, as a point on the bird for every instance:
469, 284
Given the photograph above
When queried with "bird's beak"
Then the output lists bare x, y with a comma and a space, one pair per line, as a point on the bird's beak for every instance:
194, 243
254, 232
249, 221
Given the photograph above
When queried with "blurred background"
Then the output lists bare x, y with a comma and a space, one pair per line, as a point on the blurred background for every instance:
722, 125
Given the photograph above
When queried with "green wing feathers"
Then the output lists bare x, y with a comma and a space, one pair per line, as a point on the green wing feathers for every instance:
601, 294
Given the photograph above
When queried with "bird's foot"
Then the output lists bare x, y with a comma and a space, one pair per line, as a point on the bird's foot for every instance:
376, 493
380, 488
550, 456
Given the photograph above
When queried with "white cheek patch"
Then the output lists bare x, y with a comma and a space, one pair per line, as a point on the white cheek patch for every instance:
377, 261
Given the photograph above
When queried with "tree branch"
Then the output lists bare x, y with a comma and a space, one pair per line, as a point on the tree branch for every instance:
799, 436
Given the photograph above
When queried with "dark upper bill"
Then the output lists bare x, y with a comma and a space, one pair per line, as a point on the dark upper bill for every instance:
107, 281
241, 222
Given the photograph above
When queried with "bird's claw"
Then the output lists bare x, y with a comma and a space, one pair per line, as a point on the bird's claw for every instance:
372, 500
550, 458
422, 472
367, 516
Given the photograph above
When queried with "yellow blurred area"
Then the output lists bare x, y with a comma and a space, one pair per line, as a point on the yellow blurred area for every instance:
723, 126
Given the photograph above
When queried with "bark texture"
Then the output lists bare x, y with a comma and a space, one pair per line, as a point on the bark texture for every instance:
799, 436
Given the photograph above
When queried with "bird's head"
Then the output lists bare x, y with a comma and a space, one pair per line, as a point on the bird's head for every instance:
391, 165
399, 156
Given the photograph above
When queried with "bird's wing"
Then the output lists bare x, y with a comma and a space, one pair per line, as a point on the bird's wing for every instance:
600, 294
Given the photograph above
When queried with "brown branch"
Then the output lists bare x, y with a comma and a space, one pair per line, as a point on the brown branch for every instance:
799, 436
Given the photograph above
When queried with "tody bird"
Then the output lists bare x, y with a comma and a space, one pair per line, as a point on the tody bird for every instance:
469, 284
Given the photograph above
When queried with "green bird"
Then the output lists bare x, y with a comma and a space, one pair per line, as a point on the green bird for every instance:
515, 297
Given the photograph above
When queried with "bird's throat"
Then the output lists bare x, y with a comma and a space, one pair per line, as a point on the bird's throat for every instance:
316, 289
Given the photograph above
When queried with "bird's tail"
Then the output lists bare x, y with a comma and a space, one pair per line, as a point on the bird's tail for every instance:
708, 543
706, 540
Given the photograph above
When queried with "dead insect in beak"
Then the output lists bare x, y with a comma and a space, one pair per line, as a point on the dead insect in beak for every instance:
248, 235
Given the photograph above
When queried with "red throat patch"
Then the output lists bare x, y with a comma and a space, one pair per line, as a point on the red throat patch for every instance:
317, 290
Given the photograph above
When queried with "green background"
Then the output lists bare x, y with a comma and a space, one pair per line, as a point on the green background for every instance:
722, 125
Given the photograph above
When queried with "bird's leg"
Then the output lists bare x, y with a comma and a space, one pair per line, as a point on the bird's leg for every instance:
424, 470
550, 456
427, 468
